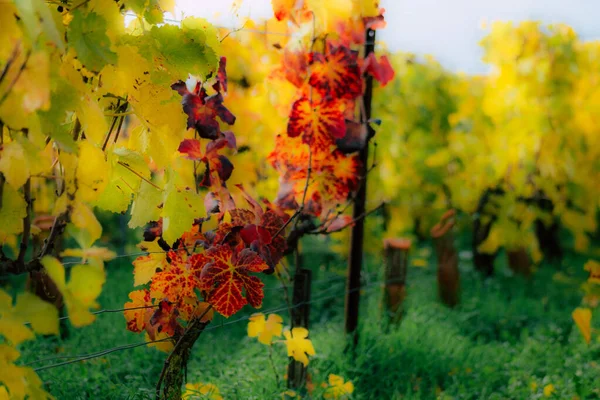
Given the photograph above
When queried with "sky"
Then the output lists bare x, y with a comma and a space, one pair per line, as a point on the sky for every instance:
449, 30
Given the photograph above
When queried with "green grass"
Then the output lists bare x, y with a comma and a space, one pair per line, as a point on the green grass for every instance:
507, 340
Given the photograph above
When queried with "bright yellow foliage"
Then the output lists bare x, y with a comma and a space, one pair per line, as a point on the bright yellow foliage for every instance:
199, 391
145, 266
583, 320
265, 328
81, 291
298, 345
548, 390
338, 389
30, 314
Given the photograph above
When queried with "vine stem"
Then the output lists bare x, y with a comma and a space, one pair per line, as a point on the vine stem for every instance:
138, 174
273, 366
119, 114
175, 348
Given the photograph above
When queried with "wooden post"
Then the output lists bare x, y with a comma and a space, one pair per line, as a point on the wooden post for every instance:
358, 230
519, 261
300, 314
448, 276
482, 225
396, 266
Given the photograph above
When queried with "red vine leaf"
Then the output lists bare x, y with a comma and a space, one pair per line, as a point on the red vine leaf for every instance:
179, 279
334, 176
164, 320
191, 148
380, 69
202, 110
221, 76
218, 167
336, 74
227, 279
319, 124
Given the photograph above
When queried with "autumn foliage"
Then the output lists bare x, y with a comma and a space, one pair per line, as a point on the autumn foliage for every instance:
220, 267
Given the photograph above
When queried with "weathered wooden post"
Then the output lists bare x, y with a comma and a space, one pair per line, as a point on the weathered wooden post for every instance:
448, 276
358, 230
482, 226
300, 314
396, 266
519, 261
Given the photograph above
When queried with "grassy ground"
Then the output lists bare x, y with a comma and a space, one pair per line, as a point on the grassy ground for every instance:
508, 339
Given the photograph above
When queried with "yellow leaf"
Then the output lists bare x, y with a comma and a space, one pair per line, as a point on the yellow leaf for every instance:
593, 267
42, 316
492, 243
20, 382
14, 209
37, 96
265, 329
338, 388
84, 287
146, 206
93, 121
548, 390
180, 209
197, 391
159, 143
583, 319
126, 167
11, 326
298, 345
100, 253
90, 229
367, 8
80, 292
92, 172
3, 393
419, 262
144, 267
13, 164
164, 346
533, 386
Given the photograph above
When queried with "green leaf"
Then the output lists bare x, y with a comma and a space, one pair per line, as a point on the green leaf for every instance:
151, 10
37, 18
145, 208
63, 99
123, 181
180, 209
87, 34
178, 51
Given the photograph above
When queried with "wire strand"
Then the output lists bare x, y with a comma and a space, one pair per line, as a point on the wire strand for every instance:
79, 358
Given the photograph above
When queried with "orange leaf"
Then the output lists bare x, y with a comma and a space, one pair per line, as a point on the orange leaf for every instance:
334, 176
336, 74
138, 317
593, 267
178, 280
318, 123
283, 8
583, 318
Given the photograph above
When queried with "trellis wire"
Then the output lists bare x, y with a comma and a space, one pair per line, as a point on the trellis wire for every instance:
79, 358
